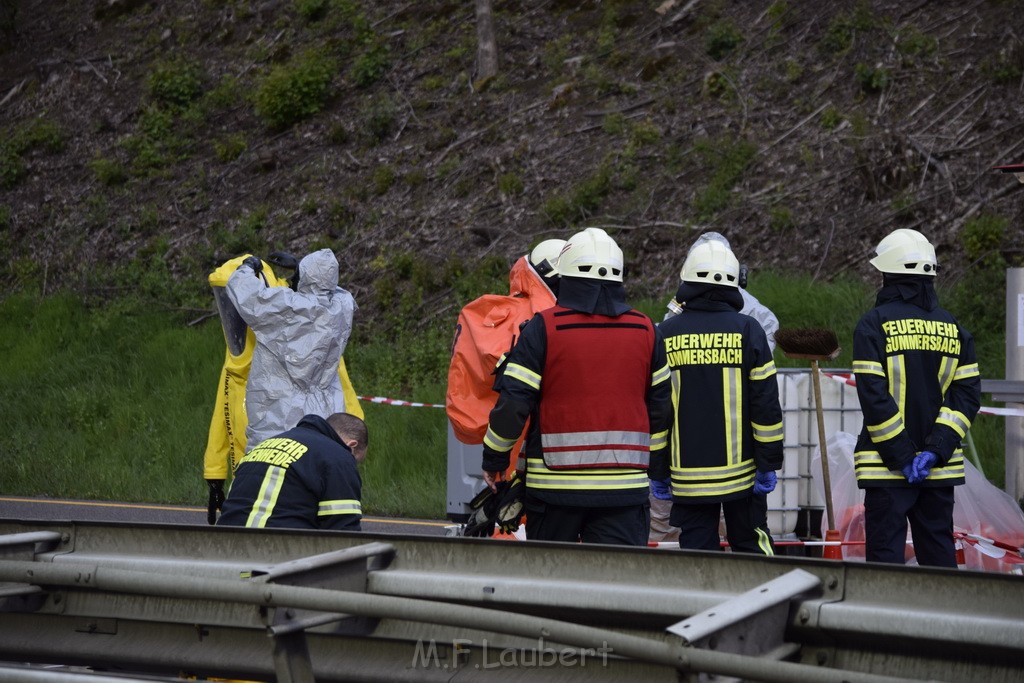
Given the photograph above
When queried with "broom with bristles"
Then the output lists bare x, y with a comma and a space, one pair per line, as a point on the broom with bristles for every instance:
816, 345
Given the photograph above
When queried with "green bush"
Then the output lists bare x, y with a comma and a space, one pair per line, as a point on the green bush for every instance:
872, 79
722, 37
296, 90
370, 66
108, 171
311, 10
383, 179
175, 83
230, 147
12, 167
378, 116
726, 159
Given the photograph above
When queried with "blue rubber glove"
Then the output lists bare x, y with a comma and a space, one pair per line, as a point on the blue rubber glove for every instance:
662, 490
923, 464
909, 474
764, 482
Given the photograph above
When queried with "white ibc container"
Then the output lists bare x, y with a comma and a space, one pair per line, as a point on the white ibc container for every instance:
801, 490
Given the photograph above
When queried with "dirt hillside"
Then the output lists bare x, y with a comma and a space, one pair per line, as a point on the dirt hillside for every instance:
142, 143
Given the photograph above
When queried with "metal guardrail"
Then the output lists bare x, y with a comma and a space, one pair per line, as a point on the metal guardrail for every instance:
301, 606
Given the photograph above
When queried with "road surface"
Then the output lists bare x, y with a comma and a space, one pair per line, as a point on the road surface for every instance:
51, 509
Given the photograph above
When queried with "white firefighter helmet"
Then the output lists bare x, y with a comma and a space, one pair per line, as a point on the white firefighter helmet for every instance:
711, 262
905, 251
591, 253
544, 257
711, 237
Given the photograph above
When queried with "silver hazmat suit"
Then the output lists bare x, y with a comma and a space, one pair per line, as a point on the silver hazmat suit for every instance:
300, 338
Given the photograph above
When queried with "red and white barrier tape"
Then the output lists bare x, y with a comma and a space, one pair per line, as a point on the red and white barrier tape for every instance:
397, 402
850, 380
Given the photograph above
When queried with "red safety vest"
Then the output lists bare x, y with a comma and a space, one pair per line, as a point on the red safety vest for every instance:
597, 373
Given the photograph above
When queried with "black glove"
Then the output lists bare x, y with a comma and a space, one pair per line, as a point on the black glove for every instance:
216, 499
282, 259
254, 263
485, 511
510, 504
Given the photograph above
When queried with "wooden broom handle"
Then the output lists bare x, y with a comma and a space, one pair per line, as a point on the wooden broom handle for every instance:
826, 479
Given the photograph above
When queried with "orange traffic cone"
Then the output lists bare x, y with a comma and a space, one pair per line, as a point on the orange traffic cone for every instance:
832, 552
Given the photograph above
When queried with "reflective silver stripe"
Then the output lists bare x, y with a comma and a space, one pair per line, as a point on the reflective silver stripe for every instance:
954, 469
955, 420
660, 375
497, 442
605, 478
965, 371
676, 383
263, 507
886, 430
716, 489
867, 367
659, 440
947, 367
868, 466
695, 482
702, 473
733, 388
712, 481
600, 456
763, 372
897, 387
601, 438
767, 433
523, 374
339, 507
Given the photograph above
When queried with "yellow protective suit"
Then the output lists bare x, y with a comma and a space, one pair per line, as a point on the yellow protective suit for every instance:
225, 443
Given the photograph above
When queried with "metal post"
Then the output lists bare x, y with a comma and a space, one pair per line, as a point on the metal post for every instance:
1015, 372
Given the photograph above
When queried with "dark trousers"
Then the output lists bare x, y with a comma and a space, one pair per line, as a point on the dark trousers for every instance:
930, 512
746, 525
610, 525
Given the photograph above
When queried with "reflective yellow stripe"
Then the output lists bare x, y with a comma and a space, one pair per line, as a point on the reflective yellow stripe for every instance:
660, 375
339, 507
763, 372
886, 430
767, 433
947, 366
712, 481
955, 420
965, 371
263, 507
659, 440
868, 466
732, 391
867, 367
498, 443
523, 374
764, 542
897, 385
603, 478
676, 384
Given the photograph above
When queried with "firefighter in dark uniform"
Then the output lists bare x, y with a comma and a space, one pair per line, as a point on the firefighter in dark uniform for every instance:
919, 390
304, 478
726, 438
592, 371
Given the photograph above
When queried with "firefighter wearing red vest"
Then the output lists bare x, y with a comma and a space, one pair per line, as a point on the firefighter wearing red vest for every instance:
726, 438
593, 372
919, 390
